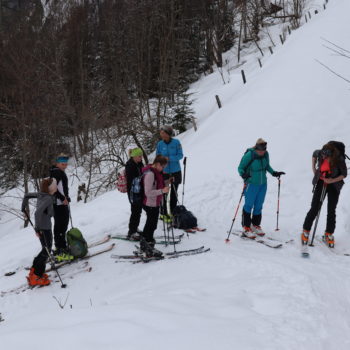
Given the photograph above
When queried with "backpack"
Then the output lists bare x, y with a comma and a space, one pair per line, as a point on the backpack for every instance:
183, 219
340, 147
121, 183
76, 243
137, 191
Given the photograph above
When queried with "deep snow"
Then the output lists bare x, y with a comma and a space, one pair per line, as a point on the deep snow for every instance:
241, 295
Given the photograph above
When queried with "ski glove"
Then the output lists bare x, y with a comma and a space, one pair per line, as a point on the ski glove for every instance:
245, 176
278, 173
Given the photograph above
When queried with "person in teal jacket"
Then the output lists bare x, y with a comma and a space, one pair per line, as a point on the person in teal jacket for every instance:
172, 150
252, 168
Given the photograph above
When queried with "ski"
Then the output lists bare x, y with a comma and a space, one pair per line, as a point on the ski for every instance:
260, 240
100, 241
25, 286
135, 259
88, 256
137, 253
195, 229
176, 237
332, 250
160, 242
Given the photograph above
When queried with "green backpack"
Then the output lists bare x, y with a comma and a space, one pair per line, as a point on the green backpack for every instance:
76, 243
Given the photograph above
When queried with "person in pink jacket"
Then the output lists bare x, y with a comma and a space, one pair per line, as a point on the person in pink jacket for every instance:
154, 188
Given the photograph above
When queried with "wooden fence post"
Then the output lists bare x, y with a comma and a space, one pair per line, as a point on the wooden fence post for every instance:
281, 38
259, 62
218, 101
270, 48
243, 76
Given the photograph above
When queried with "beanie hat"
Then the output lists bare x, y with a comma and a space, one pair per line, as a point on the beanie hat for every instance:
62, 158
168, 129
261, 144
136, 152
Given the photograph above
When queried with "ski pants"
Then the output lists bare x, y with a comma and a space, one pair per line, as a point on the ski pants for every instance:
136, 211
61, 215
151, 222
254, 196
39, 262
333, 197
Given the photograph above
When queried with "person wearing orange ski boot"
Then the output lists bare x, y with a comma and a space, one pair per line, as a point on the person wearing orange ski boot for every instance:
44, 212
252, 168
329, 168
154, 188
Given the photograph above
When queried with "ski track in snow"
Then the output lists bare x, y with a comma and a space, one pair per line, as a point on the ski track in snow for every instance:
241, 295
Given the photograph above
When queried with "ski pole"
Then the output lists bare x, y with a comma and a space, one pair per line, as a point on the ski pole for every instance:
278, 202
183, 185
163, 210
49, 254
323, 196
234, 218
70, 216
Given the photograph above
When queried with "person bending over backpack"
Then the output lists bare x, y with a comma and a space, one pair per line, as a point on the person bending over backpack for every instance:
329, 170
44, 212
154, 189
252, 168
133, 169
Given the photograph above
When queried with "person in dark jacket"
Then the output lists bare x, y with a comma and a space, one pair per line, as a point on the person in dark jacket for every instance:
172, 150
133, 170
329, 168
61, 207
252, 168
44, 212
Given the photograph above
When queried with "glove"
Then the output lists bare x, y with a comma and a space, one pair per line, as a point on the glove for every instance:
245, 176
278, 173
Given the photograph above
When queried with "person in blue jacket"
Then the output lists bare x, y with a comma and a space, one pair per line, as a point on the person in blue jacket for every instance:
172, 150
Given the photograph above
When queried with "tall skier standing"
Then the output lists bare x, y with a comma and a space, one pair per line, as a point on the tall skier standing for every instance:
252, 168
61, 208
329, 168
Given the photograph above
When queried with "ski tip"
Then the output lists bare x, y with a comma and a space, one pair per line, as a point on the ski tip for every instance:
305, 255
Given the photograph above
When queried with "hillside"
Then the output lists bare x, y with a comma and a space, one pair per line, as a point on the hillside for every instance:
240, 295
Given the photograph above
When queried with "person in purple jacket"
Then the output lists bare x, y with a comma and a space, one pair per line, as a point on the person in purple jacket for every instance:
154, 188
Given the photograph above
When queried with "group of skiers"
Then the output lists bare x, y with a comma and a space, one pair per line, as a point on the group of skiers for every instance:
155, 179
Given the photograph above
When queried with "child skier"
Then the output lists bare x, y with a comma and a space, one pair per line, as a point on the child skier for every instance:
44, 212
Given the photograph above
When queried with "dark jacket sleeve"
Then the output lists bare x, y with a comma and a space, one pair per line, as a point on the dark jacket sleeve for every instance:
26, 200
342, 168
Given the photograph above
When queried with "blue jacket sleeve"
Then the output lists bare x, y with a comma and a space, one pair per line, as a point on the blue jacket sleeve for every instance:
158, 149
269, 168
179, 154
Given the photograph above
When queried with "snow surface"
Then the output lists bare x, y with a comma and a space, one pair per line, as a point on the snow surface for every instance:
240, 295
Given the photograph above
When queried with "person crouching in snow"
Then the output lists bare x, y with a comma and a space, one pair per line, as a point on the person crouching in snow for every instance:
252, 169
44, 212
154, 189
329, 170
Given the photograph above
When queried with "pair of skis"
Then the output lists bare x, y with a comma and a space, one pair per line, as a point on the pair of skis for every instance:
265, 240
139, 257
159, 239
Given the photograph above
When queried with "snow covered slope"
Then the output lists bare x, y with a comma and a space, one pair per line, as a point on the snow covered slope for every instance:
240, 295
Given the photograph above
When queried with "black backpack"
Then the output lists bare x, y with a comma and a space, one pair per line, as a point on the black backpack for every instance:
183, 219
340, 147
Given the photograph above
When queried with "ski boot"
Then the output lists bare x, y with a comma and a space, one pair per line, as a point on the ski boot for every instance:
148, 249
305, 237
133, 236
248, 233
168, 219
35, 280
257, 230
328, 238
62, 255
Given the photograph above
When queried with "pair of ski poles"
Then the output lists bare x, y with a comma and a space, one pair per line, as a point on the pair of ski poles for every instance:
227, 240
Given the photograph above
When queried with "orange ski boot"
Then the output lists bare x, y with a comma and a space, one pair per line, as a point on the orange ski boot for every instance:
305, 237
328, 238
35, 280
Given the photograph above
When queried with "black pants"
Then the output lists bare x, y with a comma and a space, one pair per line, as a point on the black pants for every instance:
61, 224
173, 197
333, 196
39, 262
151, 222
136, 211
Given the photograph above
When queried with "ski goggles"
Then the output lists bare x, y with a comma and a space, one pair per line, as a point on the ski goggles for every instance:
261, 146
62, 160
327, 152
